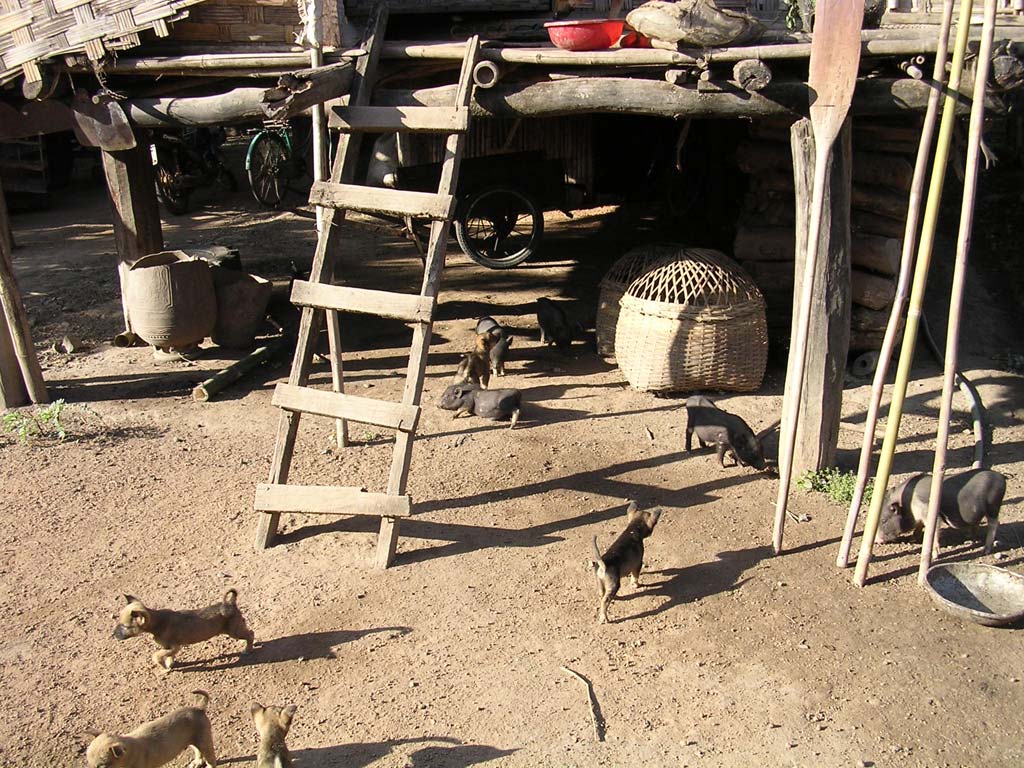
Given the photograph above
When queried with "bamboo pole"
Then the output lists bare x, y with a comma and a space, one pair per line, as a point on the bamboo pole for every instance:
924, 255
902, 284
209, 388
956, 298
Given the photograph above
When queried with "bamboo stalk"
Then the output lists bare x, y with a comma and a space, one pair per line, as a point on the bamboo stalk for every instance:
956, 298
924, 255
207, 389
902, 284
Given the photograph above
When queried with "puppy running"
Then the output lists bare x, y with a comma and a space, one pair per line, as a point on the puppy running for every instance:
158, 742
624, 557
272, 724
173, 629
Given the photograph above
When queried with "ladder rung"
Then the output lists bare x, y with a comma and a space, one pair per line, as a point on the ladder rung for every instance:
329, 500
402, 119
354, 197
401, 306
365, 410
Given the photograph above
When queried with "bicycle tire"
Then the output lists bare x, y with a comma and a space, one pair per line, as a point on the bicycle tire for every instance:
499, 227
267, 166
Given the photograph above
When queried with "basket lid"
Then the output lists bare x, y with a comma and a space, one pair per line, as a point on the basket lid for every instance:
695, 277
635, 262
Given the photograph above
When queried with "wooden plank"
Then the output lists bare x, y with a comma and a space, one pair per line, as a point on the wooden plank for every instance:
365, 410
821, 400
329, 500
354, 197
404, 119
401, 306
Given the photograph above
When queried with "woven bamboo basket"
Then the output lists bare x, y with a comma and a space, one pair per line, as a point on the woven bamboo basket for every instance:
614, 284
693, 320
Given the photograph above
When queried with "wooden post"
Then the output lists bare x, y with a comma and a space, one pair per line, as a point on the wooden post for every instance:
132, 189
21, 378
822, 396
12, 387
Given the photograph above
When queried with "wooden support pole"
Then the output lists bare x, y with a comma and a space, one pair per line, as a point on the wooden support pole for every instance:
133, 205
12, 387
822, 396
20, 374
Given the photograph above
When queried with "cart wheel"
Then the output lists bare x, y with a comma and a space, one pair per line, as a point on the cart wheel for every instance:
268, 165
174, 196
499, 227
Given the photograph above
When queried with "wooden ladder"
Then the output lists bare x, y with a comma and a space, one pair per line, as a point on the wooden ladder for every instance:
318, 295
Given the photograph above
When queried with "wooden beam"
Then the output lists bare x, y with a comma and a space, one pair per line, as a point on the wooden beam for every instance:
822, 397
626, 95
341, 298
132, 191
329, 500
365, 410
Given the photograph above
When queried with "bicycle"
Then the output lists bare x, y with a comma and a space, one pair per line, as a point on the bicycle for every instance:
275, 160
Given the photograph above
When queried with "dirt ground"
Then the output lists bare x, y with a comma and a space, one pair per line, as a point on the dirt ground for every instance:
726, 655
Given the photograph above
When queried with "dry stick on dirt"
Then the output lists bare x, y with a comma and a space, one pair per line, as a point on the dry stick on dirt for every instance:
956, 296
929, 225
835, 56
225, 378
902, 285
595, 709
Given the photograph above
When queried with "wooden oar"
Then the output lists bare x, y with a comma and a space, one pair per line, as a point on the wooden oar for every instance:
956, 296
929, 225
924, 153
835, 57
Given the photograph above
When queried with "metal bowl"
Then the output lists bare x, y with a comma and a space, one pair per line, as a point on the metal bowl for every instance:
977, 592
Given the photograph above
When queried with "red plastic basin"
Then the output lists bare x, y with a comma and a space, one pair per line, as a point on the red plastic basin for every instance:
585, 34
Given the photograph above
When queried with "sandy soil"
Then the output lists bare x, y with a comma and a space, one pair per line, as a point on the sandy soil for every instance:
726, 655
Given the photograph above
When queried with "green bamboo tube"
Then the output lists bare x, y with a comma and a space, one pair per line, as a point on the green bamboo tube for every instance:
924, 256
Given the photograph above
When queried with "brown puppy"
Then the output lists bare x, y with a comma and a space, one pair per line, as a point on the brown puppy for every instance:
157, 742
475, 366
173, 629
272, 724
624, 557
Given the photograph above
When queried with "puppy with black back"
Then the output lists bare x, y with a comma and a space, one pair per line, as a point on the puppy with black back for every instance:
502, 340
625, 557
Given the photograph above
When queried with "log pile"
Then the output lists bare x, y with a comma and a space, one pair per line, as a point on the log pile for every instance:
765, 242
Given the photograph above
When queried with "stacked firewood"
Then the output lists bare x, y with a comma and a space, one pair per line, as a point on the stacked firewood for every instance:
883, 166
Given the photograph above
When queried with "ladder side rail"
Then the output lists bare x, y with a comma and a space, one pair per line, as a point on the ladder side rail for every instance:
398, 477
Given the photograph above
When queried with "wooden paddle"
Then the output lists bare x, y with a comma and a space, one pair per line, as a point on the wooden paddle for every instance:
835, 57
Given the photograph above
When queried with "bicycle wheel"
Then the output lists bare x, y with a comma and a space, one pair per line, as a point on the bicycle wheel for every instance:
499, 227
268, 165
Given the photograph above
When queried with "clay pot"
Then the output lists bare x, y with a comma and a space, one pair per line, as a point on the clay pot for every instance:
241, 307
171, 302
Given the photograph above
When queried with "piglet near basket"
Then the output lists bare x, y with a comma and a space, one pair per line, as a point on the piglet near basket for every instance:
727, 432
